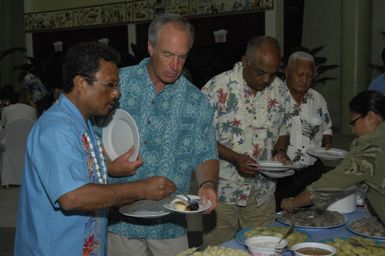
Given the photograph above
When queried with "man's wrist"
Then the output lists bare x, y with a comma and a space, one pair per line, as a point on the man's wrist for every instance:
278, 150
213, 183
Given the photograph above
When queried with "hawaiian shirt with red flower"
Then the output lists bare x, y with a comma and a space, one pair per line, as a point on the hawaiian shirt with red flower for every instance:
95, 227
247, 123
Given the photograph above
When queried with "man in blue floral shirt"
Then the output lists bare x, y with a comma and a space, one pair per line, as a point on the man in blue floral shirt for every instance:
252, 124
177, 137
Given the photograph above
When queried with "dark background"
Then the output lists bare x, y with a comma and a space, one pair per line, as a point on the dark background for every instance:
206, 58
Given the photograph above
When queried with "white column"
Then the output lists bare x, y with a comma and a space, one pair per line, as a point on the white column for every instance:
274, 22
131, 31
355, 53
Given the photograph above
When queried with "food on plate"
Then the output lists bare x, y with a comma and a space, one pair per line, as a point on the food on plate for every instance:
313, 219
368, 226
313, 251
293, 238
357, 246
213, 251
181, 205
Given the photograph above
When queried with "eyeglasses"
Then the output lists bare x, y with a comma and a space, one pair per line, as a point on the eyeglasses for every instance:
109, 85
353, 122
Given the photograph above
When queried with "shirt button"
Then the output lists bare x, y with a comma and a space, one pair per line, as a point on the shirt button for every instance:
149, 122
145, 142
152, 102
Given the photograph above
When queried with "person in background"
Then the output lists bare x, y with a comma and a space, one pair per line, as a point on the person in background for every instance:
252, 124
311, 126
364, 164
378, 84
176, 137
20, 108
64, 196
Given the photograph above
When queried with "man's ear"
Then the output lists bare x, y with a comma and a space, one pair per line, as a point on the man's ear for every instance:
244, 60
374, 118
80, 83
150, 49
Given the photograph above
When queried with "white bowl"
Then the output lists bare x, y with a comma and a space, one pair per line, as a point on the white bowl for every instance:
296, 247
346, 204
265, 245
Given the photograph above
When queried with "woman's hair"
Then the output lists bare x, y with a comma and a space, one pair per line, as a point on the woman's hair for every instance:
367, 101
163, 19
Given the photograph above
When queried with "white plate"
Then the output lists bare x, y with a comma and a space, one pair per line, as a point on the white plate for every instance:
120, 134
331, 154
357, 232
272, 166
279, 174
144, 209
202, 208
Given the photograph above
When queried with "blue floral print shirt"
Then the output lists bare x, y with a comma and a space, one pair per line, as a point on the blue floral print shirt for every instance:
246, 123
176, 135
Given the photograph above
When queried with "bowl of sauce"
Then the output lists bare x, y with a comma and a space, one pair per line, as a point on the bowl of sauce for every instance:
265, 245
313, 249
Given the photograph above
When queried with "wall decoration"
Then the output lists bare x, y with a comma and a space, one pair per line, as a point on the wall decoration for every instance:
144, 10
100, 15
48, 20
137, 11
180, 7
128, 11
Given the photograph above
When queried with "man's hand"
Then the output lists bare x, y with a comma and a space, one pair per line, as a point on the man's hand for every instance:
281, 156
157, 188
207, 192
122, 166
243, 166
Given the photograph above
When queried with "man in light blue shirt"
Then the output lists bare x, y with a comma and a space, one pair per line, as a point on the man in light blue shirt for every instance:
64, 195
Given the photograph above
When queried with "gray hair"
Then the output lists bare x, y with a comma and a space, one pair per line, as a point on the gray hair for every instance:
158, 22
258, 42
300, 55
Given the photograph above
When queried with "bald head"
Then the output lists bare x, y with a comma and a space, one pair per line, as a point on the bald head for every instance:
261, 42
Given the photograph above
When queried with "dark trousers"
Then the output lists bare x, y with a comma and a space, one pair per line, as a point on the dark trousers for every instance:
293, 185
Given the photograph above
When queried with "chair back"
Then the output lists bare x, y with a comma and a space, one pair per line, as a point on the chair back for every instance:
15, 140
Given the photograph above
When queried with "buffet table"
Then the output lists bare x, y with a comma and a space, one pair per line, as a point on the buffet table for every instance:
314, 235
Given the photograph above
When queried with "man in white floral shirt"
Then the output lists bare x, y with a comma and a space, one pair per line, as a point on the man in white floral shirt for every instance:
311, 126
252, 123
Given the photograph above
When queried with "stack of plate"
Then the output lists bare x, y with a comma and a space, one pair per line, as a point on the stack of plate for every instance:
274, 169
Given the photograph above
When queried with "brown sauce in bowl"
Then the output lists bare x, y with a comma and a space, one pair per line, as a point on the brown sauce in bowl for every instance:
313, 251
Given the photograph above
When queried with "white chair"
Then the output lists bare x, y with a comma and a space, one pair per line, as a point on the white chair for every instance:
13, 146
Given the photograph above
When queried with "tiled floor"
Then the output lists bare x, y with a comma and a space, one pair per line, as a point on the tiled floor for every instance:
8, 212
9, 204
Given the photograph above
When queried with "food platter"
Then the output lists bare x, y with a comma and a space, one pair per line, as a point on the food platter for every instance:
272, 166
120, 134
331, 154
293, 238
356, 245
367, 227
310, 219
170, 206
144, 209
